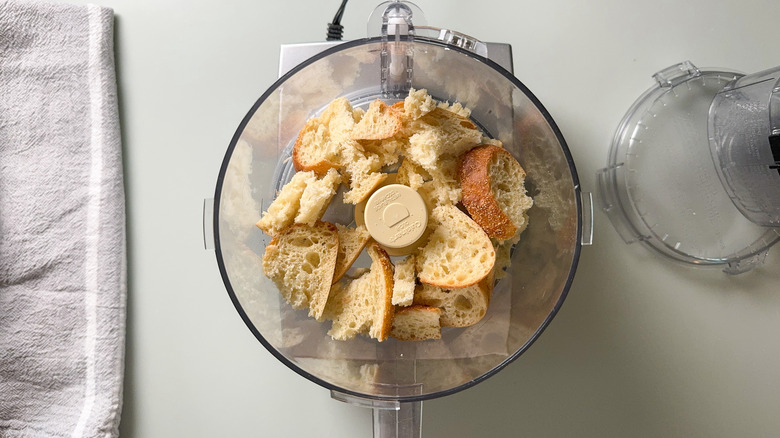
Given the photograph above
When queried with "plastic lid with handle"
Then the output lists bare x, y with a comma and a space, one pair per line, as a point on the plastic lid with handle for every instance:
661, 187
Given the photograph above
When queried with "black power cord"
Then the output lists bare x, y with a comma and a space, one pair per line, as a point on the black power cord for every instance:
335, 29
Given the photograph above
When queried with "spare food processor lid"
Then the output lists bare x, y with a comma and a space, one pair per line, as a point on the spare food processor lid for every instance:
661, 187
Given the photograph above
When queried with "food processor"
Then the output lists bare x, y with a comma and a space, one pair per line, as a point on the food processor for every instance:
394, 377
694, 168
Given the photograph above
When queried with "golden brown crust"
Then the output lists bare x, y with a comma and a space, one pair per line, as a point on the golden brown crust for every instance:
384, 320
478, 197
299, 162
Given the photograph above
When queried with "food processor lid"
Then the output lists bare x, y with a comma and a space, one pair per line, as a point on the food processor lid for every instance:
661, 187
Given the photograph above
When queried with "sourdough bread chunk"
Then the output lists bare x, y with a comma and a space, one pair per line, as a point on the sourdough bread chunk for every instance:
493, 186
301, 260
282, 211
417, 323
378, 123
362, 168
349, 307
456, 108
316, 197
388, 150
351, 244
440, 132
364, 304
323, 139
458, 253
459, 307
438, 187
411, 174
404, 282
444, 187
362, 185
417, 104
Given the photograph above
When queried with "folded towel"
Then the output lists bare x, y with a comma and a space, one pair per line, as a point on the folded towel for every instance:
62, 223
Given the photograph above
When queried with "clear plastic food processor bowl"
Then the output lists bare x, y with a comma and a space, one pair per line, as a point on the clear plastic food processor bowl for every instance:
257, 164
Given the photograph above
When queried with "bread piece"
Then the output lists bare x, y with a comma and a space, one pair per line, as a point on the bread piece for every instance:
438, 187
349, 307
282, 211
362, 185
404, 282
417, 104
323, 139
458, 253
316, 197
389, 150
351, 243
444, 187
411, 174
362, 168
364, 305
378, 123
456, 108
417, 323
494, 194
460, 307
439, 133
301, 260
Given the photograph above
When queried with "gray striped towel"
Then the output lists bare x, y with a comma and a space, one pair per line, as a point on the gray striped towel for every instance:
62, 223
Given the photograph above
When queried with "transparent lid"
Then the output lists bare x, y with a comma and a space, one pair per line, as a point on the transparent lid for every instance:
744, 130
523, 302
661, 187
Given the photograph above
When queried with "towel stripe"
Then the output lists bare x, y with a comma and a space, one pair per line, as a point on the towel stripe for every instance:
93, 213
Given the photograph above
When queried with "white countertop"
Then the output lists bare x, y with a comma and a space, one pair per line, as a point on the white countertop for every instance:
641, 347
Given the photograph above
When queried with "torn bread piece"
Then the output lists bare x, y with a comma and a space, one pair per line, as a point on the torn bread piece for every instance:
364, 305
441, 133
351, 244
323, 140
417, 323
282, 211
493, 188
461, 307
301, 261
458, 252
404, 280
378, 123
417, 104
438, 187
389, 150
316, 197
303, 200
